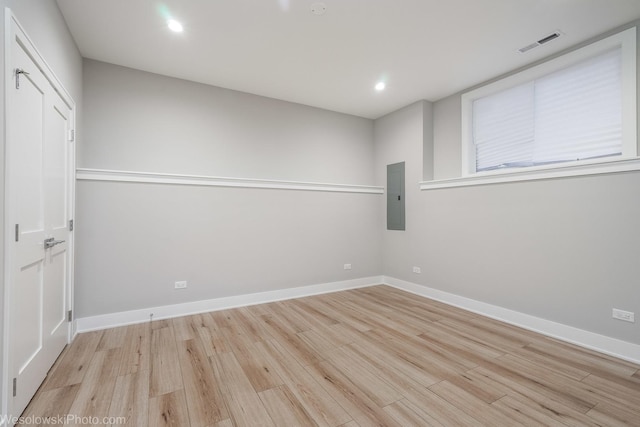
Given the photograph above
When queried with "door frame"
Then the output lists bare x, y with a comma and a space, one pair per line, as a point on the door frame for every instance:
14, 30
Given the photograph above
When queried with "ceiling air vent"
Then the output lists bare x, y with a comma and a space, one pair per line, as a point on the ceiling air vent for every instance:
545, 39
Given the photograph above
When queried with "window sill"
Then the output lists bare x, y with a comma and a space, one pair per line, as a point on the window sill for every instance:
620, 166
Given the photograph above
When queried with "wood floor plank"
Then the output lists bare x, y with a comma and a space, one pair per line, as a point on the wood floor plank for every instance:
388, 371
259, 309
363, 410
603, 391
94, 395
376, 320
381, 356
295, 345
113, 338
212, 336
408, 414
131, 399
551, 363
324, 334
474, 407
434, 333
52, 403
260, 372
366, 377
564, 390
476, 387
486, 336
422, 305
165, 375
74, 361
533, 397
136, 349
284, 408
585, 359
312, 314
205, 403
185, 328
407, 311
524, 414
293, 319
343, 333
418, 352
321, 303
611, 415
415, 318
320, 343
625, 395
168, 410
250, 323
162, 323
245, 407
324, 410
235, 334
381, 317
441, 410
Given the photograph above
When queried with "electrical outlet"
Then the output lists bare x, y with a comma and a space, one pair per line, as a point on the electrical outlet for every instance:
417, 270
347, 266
181, 285
627, 316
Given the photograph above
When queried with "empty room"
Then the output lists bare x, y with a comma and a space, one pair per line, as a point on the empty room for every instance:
320, 213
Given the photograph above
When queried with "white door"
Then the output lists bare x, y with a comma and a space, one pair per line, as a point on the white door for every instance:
39, 166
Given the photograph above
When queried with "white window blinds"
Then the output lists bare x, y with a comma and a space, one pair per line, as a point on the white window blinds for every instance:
572, 114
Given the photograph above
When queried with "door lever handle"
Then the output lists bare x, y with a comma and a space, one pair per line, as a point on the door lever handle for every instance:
51, 242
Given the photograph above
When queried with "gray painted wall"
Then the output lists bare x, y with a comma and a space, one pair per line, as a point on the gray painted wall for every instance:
45, 26
147, 122
135, 240
565, 250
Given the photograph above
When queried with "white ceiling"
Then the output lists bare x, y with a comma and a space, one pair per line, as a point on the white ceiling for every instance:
424, 49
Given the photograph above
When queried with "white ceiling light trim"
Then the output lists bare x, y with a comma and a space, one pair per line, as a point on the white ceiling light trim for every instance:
175, 26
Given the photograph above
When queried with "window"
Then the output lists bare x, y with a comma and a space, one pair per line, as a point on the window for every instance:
577, 109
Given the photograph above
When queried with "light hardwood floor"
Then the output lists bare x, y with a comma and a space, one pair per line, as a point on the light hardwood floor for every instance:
372, 356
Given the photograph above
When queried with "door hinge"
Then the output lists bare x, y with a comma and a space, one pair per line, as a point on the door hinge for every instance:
18, 72
17, 232
15, 387
72, 135
70, 315
70, 225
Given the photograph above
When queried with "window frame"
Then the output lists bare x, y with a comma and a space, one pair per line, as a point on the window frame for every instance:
626, 40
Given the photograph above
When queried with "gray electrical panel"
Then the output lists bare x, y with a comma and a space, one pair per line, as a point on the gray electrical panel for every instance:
395, 196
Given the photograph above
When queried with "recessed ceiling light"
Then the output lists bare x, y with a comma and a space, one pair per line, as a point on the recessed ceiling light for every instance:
380, 86
174, 26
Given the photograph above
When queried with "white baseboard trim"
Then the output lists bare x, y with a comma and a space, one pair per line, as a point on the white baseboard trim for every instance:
601, 343
123, 318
